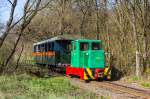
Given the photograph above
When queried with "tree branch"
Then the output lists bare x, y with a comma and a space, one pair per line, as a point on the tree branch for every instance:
8, 23
10, 2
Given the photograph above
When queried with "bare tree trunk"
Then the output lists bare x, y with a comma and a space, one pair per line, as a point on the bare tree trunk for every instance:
17, 64
82, 25
105, 2
145, 37
63, 2
14, 49
97, 21
133, 22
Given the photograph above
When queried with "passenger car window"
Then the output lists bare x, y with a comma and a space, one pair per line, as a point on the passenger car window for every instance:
49, 46
39, 47
84, 46
96, 46
42, 49
46, 47
52, 46
34, 48
69, 47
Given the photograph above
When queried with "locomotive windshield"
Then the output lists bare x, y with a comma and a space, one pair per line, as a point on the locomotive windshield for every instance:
84, 46
96, 46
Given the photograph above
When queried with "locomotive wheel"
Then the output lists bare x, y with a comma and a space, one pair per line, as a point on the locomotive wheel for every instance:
87, 81
100, 79
70, 76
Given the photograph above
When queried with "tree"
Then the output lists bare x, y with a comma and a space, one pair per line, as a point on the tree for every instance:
30, 10
145, 23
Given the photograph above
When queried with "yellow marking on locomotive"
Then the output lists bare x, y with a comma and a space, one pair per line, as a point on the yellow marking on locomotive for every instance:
107, 72
90, 73
85, 76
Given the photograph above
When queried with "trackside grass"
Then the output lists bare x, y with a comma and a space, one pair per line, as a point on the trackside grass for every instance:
27, 87
141, 81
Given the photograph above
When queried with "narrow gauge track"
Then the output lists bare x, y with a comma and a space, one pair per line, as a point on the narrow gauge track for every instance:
112, 87
138, 93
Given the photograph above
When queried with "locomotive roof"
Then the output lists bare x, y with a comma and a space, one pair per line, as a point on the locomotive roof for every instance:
60, 37
88, 40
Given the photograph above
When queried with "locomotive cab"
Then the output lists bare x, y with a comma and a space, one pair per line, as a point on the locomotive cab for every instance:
87, 59
87, 54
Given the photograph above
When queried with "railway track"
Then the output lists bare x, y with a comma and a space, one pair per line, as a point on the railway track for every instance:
134, 92
125, 92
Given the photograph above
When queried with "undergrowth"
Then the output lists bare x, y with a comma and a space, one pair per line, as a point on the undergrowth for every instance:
26, 87
140, 80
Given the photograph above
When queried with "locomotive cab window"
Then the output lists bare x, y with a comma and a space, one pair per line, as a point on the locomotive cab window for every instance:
96, 46
84, 46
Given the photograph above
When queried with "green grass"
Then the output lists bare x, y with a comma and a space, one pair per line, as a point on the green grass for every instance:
140, 81
145, 84
27, 87
134, 79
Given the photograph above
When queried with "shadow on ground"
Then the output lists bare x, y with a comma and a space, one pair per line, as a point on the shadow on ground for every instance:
116, 74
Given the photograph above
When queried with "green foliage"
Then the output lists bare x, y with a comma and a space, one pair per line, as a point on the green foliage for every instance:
102, 97
134, 79
148, 71
146, 84
27, 87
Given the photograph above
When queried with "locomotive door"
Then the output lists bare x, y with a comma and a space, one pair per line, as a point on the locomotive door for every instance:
73, 54
86, 58
84, 54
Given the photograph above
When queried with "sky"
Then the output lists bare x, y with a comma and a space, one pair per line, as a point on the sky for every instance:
5, 10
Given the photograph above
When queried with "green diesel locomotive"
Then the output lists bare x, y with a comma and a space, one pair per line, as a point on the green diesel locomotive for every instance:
88, 60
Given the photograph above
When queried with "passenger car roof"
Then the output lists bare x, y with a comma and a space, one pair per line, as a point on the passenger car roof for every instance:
87, 40
60, 37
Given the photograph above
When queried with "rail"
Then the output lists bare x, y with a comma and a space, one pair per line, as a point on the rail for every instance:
126, 89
